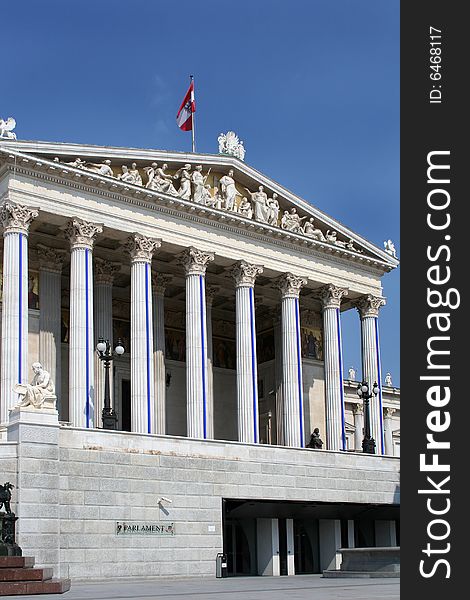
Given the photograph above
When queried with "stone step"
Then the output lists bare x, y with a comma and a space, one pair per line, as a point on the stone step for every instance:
25, 574
21, 588
337, 574
16, 562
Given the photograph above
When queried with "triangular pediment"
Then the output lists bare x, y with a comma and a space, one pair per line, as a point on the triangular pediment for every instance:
214, 184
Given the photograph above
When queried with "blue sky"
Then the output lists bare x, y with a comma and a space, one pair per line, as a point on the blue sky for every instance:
311, 86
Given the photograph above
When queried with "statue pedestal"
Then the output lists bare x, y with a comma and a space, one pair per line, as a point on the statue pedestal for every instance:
8, 545
28, 415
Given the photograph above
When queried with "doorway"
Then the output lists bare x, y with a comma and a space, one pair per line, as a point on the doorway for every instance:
125, 405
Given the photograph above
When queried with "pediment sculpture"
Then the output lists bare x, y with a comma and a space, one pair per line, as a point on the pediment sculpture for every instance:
6, 129
231, 145
190, 183
40, 393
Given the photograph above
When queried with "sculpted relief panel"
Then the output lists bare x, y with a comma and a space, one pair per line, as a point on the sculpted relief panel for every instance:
219, 191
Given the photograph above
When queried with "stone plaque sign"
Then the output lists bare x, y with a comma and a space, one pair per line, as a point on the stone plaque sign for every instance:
144, 528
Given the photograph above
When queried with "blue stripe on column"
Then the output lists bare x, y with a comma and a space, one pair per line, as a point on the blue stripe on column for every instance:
20, 303
203, 361
341, 388
299, 373
147, 341
87, 343
253, 368
379, 381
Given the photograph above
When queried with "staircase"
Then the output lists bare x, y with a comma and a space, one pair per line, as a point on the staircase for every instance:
18, 576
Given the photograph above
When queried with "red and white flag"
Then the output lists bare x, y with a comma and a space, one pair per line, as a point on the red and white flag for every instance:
184, 118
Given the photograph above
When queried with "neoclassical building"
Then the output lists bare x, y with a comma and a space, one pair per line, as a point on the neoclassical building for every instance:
226, 291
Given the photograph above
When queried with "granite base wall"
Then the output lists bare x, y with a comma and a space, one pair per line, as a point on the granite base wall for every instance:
74, 484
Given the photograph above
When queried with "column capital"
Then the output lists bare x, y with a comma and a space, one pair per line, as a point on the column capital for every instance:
245, 274
160, 281
290, 285
141, 248
331, 295
195, 261
16, 218
389, 412
81, 234
357, 408
369, 305
211, 292
105, 271
50, 259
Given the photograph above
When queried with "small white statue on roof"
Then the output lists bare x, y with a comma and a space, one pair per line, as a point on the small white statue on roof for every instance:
6, 129
231, 145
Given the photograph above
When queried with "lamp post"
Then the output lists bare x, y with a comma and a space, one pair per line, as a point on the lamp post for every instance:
103, 348
368, 443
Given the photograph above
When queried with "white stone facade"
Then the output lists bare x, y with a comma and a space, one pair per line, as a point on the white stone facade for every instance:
231, 324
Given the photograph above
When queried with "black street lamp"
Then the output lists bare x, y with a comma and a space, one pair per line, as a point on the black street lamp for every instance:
103, 348
368, 443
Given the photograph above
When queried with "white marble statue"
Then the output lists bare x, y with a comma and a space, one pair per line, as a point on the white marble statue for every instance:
40, 393
78, 163
352, 373
388, 380
206, 195
134, 171
103, 168
184, 176
6, 129
291, 221
273, 210
229, 190
230, 144
260, 204
245, 209
311, 231
199, 182
125, 176
159, 181
390, 248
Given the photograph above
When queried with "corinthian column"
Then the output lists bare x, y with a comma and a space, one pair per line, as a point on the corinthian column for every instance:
141, 250
15, 219
388, 432
293, 417
103, 314
160, 281
368, 307
212, 290
81, 341
195, 263
50, 319
244, 275
331, 296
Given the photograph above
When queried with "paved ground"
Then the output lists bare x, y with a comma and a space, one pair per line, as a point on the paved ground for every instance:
301, 587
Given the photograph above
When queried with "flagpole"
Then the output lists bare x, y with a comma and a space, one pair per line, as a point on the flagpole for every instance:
191, 78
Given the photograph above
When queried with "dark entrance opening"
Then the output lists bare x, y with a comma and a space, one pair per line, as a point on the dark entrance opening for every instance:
126, 405
282, 547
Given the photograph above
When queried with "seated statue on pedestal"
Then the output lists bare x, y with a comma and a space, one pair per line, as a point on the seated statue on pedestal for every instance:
315, 441
40, 393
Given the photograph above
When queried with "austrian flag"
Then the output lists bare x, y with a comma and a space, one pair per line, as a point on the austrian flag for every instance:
184, 118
